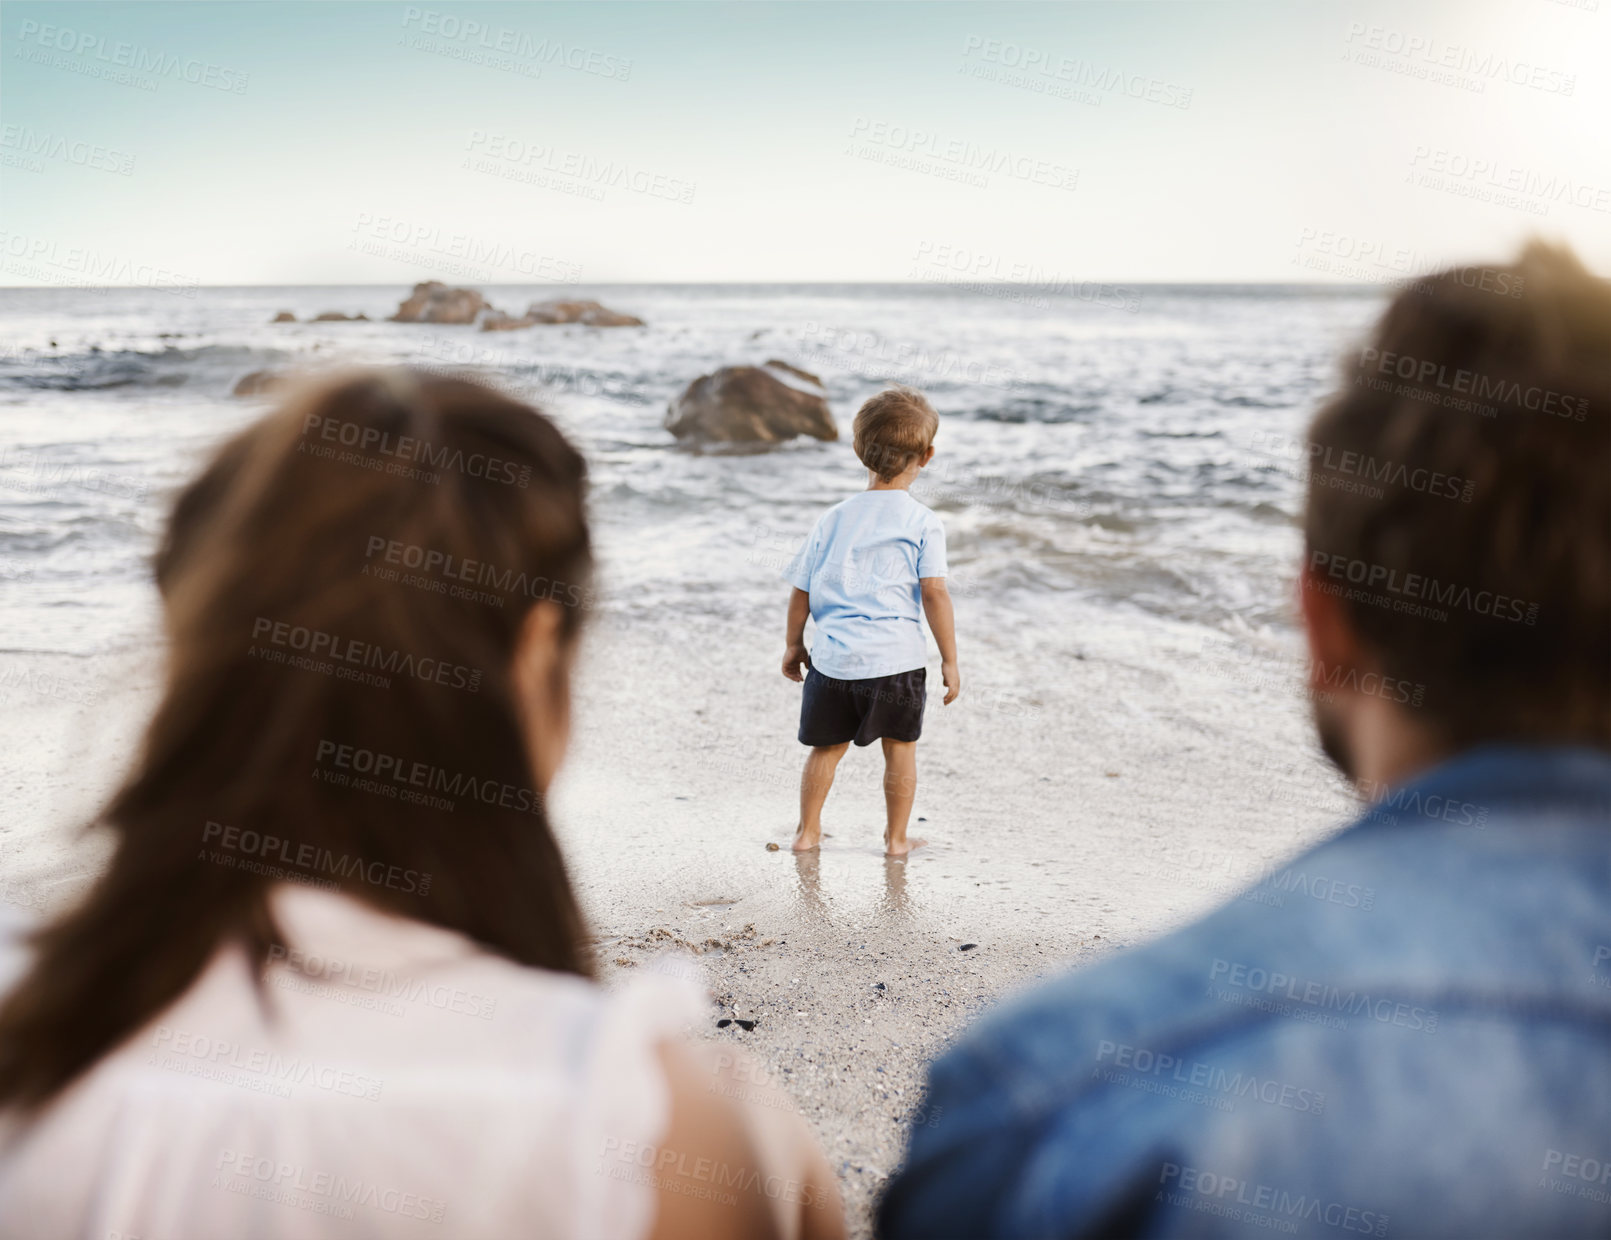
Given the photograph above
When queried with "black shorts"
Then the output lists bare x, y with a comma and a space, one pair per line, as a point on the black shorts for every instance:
835, 711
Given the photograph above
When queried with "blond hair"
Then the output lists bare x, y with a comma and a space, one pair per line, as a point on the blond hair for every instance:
893, 429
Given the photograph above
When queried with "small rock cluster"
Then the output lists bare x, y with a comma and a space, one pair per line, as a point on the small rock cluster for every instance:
747, 405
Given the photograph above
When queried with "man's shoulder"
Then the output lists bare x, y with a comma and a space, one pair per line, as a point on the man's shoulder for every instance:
1403, 949
1384, 921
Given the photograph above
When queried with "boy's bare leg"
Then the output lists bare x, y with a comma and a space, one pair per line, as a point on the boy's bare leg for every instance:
815, 781
900, 788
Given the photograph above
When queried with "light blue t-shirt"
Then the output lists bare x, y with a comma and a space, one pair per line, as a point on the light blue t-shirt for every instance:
861, 566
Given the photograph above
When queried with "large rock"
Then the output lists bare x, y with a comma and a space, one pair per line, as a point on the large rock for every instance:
587, 313
498, 321
284, 316
258, 383
752, 404
435, 302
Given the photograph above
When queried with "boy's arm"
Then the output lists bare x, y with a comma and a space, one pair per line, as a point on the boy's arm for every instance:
794, 634
943, 623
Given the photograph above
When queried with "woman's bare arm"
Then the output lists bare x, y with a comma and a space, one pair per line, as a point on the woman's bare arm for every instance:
733, 1164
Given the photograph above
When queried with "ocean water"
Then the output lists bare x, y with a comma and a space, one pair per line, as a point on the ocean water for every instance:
1118, 458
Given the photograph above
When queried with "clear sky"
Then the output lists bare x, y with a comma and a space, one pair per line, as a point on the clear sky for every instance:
258, 143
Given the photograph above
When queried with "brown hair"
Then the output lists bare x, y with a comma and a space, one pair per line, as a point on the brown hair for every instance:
893, 429
1460, 499
282, 535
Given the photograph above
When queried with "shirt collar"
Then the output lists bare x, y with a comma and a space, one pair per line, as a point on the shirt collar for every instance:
1502, 776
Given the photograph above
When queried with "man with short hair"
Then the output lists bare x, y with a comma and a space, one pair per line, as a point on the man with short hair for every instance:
1407, 1032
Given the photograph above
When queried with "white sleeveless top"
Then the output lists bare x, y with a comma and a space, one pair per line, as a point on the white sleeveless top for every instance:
396, 1081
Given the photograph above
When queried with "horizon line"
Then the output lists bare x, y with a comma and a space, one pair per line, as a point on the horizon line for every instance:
962, 286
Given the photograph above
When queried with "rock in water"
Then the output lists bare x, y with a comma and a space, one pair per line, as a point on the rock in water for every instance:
258, 383
498, 321
284, 316
752, 404
587, 313
435, 302
336, 316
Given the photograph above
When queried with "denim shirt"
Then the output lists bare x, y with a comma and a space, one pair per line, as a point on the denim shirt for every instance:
1404, 1032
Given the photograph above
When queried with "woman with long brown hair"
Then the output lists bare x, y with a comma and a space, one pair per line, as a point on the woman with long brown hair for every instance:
334, 980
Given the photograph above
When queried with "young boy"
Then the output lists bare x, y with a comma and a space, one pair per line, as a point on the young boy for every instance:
870, 564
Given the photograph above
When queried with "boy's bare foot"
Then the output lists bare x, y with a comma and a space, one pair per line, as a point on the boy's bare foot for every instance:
805, 841
904, 847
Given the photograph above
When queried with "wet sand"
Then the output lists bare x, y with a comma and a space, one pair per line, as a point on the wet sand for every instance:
1096, 784
1120, 789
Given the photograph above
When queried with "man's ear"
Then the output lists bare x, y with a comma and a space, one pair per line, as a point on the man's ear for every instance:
1330, 635
927, 457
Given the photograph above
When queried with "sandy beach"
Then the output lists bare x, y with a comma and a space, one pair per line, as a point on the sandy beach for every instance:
1085, 793
1131, 746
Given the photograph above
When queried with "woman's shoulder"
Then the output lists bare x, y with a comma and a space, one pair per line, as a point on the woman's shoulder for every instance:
435, 988
378, 1051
